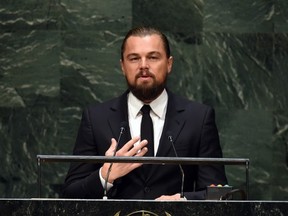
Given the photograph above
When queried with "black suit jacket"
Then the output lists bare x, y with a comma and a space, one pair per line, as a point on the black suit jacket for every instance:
192, 126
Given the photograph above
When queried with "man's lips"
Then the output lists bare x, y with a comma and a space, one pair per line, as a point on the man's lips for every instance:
144, 75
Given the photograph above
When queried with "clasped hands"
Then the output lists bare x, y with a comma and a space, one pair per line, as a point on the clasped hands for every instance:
130, 149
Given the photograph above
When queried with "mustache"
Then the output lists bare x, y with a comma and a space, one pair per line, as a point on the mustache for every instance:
144, 73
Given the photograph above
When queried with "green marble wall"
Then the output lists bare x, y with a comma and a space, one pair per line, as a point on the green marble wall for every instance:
58, 56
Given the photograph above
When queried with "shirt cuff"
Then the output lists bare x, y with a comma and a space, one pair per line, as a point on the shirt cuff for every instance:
109, 185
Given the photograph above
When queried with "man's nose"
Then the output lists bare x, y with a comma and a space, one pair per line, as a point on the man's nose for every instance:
144, 63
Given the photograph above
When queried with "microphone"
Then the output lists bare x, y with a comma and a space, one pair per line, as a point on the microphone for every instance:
122, 130
170, 138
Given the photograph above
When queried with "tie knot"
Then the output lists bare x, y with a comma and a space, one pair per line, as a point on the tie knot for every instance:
145, 109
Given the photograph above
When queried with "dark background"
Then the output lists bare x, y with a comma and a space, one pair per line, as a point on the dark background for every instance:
57, 56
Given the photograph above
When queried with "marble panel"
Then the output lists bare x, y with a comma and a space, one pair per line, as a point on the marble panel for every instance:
238, 16
238, 70
96, 15
187, 76
281, 16
280, 74
26, 132
30, 15
280, 156
248, 134
180, 17
29, 66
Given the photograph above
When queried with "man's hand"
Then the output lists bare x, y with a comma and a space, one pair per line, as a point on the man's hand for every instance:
170, 197
129, 149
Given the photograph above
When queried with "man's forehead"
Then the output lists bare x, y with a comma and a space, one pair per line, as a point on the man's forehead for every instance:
145, 41
144, 37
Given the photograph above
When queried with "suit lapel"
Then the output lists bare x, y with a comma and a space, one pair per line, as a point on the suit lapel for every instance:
119, 116
174, 122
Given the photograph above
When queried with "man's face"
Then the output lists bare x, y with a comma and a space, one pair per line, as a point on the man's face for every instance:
145, 66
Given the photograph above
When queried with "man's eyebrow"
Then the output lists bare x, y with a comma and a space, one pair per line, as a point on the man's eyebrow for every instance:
132, 54
149, 53
154, 52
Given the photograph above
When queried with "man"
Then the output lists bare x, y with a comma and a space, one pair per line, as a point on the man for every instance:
146, 63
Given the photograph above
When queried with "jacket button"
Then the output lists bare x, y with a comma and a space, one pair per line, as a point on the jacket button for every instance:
146, 189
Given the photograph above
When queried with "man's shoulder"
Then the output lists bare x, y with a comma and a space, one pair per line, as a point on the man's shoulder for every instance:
108, 104
103, 103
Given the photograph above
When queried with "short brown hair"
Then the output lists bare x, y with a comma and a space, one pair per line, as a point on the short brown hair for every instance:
144, 31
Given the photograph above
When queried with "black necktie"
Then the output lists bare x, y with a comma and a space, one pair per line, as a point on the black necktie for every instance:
147, 129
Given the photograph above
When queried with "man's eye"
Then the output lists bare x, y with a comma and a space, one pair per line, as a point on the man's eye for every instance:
153, 58
134, 59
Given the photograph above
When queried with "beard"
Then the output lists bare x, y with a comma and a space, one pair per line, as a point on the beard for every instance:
146, 91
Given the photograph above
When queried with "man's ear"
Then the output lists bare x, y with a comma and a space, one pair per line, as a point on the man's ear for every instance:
122, 67
170, 64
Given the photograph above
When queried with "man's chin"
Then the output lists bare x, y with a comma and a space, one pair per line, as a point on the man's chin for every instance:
146, 94
144, 84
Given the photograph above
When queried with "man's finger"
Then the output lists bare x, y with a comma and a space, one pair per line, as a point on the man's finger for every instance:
130, 144
112, 147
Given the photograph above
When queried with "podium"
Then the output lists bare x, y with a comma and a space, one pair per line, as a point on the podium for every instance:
65, 207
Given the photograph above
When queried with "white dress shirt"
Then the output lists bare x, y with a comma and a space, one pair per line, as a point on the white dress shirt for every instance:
157, 113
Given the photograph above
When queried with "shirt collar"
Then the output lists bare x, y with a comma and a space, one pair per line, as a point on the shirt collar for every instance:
158, 106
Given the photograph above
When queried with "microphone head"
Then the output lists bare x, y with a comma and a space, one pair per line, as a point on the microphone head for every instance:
123, 125
169, 135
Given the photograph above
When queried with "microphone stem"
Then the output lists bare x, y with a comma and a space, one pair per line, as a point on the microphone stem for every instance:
110, 166
182, 183
180, 167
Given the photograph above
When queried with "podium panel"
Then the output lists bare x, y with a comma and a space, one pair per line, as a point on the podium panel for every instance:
68, 207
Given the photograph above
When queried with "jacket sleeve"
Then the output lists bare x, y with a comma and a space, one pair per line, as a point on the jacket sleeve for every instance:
209, 146
82, 180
